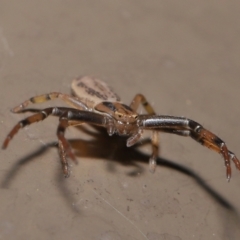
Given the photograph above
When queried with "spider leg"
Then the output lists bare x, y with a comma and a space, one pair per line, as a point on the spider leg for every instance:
63, 145
187, 127
74, 117
134, 138
72, 101
68, 117
64, 160
139, 98
39, 116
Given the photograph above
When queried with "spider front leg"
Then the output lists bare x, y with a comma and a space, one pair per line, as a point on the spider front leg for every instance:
187, 127
139, 98
210, 140
73, 101
39, 116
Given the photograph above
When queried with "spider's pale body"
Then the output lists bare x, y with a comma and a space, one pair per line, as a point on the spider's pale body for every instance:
100, 98
94, 102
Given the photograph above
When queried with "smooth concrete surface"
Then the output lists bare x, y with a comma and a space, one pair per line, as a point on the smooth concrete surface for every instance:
184, 56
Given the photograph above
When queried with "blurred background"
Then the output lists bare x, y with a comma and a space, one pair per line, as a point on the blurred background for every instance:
184, 56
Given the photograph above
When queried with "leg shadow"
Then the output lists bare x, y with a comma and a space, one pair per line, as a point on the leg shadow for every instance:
114, 149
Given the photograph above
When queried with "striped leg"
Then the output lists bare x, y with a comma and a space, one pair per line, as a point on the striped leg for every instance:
41, 115
187, 127
139, 98
68, 117
211, 141
72, 101
64, 147
74, 117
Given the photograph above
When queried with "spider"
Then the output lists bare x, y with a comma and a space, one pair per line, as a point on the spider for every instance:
94, 102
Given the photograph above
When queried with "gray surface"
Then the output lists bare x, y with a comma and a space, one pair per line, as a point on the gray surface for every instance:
183, 55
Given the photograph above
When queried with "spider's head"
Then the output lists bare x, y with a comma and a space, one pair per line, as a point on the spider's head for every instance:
122, 113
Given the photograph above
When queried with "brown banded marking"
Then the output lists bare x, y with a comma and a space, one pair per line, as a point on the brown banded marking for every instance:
106, 107
72, 101
27, 121
139, 98
119, 111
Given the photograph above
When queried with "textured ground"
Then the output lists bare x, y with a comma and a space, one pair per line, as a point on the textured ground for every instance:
184, 56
